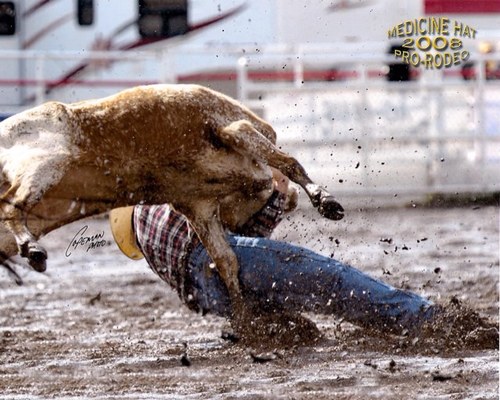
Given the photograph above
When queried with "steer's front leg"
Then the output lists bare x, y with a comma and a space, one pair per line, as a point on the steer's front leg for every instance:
326, 204
244, 137
207, 225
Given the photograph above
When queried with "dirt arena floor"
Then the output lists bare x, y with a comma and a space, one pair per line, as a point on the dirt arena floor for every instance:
97, 325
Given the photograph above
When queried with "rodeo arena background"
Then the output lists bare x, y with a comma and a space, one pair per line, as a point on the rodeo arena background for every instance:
393, 106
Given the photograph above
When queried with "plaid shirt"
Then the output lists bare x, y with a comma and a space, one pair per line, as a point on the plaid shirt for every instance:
166, 238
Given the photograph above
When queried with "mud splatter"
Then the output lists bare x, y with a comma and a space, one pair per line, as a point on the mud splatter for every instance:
130, 342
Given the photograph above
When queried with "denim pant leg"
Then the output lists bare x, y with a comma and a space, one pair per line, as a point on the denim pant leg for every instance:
279, 276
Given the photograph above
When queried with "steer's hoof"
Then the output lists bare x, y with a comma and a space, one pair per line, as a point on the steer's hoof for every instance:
36, 255
38, 260
330, 208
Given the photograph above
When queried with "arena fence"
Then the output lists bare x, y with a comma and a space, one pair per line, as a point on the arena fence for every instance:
337, 112
436, 133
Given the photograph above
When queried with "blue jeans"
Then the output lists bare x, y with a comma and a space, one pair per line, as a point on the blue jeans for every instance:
280, 277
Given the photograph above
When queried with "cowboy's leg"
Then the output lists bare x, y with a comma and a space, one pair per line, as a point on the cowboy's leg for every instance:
280, 276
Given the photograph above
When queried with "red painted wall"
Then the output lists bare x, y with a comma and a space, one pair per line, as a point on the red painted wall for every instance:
462, 6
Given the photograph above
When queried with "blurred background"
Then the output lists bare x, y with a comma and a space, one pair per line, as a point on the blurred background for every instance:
320, 72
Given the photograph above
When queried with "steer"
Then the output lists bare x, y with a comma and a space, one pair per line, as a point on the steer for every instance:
186, 145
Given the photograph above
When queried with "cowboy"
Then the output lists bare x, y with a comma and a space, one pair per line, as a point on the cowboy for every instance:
274, 276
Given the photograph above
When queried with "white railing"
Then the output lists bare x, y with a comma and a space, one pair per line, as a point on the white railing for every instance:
33, 75
352, 129
365, 135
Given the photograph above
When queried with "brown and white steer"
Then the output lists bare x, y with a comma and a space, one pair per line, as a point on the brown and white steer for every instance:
196, 149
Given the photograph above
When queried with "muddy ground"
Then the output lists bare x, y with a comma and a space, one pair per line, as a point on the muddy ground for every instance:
97, 325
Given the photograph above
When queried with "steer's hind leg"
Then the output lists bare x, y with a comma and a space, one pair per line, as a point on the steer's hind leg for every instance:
243, 137
35, 176
15, 218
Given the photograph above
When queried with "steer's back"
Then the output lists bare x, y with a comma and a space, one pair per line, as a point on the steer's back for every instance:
148, 117
154, 143
162, 133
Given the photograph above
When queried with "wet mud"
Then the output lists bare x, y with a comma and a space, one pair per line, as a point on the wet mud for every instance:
97, 325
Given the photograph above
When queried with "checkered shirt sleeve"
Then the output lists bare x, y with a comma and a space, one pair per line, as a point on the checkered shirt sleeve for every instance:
166, 238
